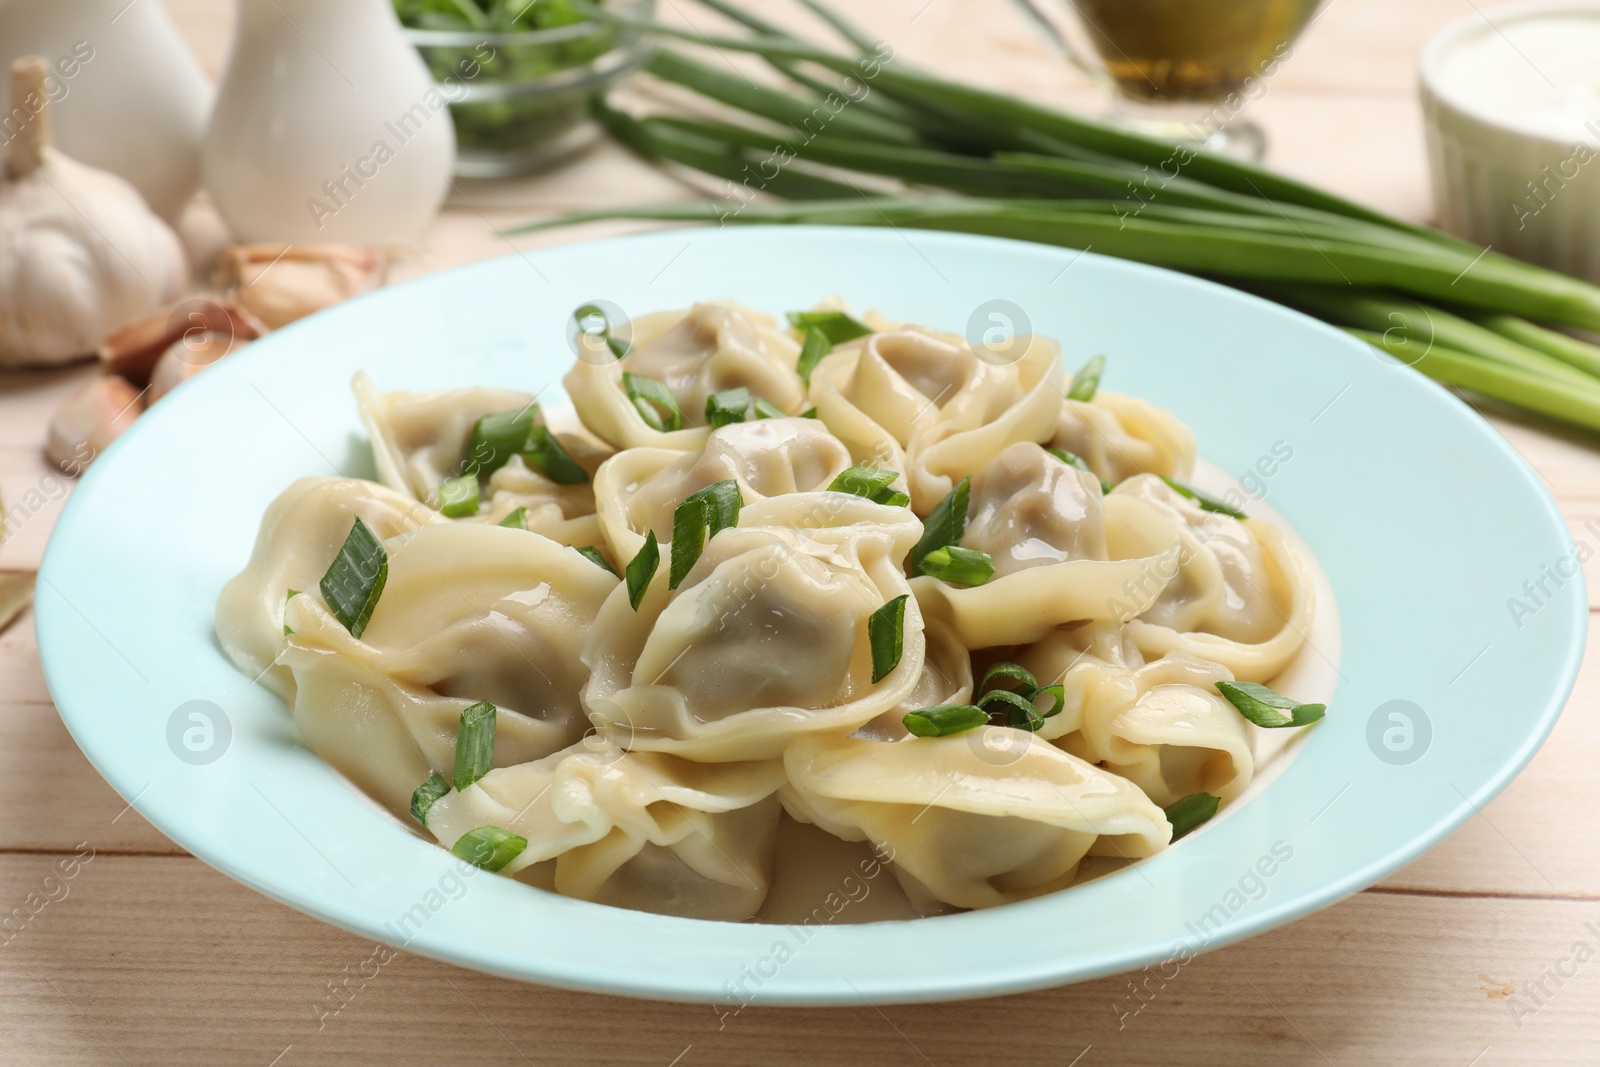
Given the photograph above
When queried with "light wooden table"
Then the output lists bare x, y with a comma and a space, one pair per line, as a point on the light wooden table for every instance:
153, 958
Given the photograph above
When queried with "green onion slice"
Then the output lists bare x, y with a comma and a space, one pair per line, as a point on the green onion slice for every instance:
697, 520
945, 524
498, 437
654, 402
593, 320
1265, 707
642, 568
726, 500
489, 847
1017, 709
517, 520
1026, 682
835, 326
356, 579
474, 743
458, 497
1206, 501
545, 453
809, 413
958, 566
592, 554
886, 634
1056, 692
944, 720
689, 524
812, 349
766, 409
727, 407
869, 482
432, 788
1086, 382
1191, 811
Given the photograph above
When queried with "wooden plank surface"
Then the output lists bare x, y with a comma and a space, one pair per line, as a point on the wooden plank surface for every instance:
1467, 956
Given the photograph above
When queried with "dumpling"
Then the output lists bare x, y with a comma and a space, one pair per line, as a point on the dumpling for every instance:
708, 349
1161, 725
1013, 401
1062, 553
1241, 597
1120, 436
766, 637
638, 489
1029, 509
299, 537
636, 830
931, 397
987, 817
468, 613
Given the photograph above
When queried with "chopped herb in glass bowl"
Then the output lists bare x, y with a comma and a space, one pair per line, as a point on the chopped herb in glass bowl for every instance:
519, 74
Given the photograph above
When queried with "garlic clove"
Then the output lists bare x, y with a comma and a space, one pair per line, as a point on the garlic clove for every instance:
282, 283
89, 420
187, 357
16, 593
131, 350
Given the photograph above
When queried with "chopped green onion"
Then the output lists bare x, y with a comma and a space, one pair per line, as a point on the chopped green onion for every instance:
958, 566
642, 568
766, 409
886, 634
870, 482
356, 578
432, 788
1086, 382
1206, 501
292, 594
1075, 461
944, 720
727, 407
498, 437
654, 402
1058, 692
474, 743
1265, 707
458, 497
517, 520
1017, 709
812, 349
1189, 812
593, 320
1026, 682
489, 847
689, 524
726, 500
945, 524
545, 453
835, 326
592, 554
809, 413
697, 520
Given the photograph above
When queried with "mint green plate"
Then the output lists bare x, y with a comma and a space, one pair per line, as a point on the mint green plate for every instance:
1423, 518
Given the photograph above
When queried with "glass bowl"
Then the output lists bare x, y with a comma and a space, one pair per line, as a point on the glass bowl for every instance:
520, 101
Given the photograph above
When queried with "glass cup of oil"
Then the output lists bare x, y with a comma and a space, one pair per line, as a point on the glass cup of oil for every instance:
1182, 70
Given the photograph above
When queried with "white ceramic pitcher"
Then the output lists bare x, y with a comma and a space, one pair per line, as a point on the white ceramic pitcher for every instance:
327, 127
126, 94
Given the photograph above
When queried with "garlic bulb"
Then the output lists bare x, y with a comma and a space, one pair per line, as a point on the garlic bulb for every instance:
80, 253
